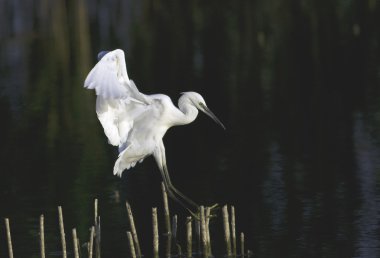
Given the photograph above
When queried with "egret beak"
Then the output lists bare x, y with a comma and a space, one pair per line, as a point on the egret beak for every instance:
208, 112
101, 54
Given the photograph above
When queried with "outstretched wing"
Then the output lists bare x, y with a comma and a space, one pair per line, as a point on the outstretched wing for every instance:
119, 102
110, 79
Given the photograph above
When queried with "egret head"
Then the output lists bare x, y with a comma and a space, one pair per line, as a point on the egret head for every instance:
197, 100
101, 54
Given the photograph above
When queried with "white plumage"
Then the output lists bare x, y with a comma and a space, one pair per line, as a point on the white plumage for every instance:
136, 122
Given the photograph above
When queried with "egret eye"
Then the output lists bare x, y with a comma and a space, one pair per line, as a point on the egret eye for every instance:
202, 105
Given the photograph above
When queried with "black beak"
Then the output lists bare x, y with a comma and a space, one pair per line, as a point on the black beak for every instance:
208, 112
101, 54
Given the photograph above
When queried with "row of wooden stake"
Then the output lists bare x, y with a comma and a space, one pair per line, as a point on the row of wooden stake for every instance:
201, 226
94, 236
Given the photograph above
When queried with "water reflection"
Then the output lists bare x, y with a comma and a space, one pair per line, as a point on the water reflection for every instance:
274, 191
296, 84
367, 216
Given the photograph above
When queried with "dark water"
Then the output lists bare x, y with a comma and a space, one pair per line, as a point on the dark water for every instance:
295, 82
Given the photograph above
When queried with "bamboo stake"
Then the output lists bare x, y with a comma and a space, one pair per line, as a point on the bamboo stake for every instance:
242, 244
131, 245
155, 232
42, 237
167, 220
179, 252
96, 212
174, 234
133, 229
203, 232
233, 230
189, 237
62, 231
79, 250
97, 239
198, 234
9, 239
75, 243
166, 209
168, 246
227, 236
91, 242
97, 229
174, 227
207, 224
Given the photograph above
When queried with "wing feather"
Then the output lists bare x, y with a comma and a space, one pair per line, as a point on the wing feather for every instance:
119, 101
107, 78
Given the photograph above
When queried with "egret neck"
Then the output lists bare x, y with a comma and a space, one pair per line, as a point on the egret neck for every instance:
188, 109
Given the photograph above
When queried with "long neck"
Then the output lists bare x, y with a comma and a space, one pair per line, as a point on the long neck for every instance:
189, 111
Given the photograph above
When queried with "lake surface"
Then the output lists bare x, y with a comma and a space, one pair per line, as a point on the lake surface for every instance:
295, 83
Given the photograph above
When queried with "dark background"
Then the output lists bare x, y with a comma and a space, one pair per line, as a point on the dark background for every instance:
295, 82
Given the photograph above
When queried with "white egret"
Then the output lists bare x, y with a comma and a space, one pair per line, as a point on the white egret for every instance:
136, 122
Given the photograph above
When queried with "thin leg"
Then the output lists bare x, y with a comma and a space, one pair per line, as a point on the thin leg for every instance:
175, 197
159, 155
171, 186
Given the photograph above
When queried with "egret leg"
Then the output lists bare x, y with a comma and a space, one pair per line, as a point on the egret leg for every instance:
175, 194
171, 186
169, 183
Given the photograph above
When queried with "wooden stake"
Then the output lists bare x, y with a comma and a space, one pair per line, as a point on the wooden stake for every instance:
96, 212
203, 232
233, 230
189, 237
97, 230
227, 236
75, 243
133, 229
166, 209
197, 225
174, 227
42, 237
79, 250
131, 245
62, 231
97, 239
91, 242
242, 244
9, 239
168, 249
174, 234
207, 225
155, 232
